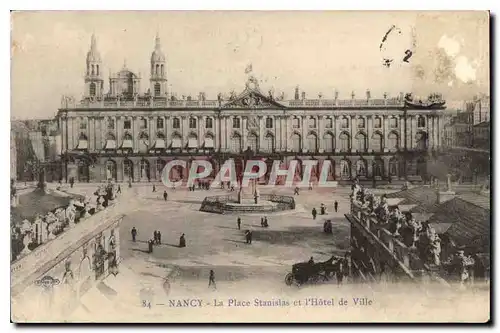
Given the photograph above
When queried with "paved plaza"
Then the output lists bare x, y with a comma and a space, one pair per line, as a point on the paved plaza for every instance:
214, 241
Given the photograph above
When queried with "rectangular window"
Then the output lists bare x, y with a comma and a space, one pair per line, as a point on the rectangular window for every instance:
127, 124
208, 123
83, 125
159, 123
192, 122
144, 123
111, 124
236, 122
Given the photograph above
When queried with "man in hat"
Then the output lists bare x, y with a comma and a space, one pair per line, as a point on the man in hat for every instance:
238, 221
182, 241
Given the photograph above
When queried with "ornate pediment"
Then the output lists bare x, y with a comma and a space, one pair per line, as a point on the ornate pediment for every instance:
252, 99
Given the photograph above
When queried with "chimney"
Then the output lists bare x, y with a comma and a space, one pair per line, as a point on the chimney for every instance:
448, 194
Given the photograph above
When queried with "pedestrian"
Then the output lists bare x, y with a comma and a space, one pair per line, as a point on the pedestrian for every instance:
296, 191
238, 221
323, 209
154, 188
165, 195
134, 234
150, 245
247, 236
158, 234
155, 237
119, 189
336, 206
182, 241
250, 236
211, 279
262, 222
265, 222
314, 213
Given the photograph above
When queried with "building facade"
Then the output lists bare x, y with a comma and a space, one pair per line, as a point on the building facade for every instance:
127, 135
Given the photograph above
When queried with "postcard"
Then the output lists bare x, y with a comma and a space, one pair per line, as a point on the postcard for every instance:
244, 166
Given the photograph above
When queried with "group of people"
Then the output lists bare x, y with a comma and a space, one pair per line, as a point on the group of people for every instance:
322, 208
156, 240
202, 185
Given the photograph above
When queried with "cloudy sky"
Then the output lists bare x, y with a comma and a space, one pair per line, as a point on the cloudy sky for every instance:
208, 51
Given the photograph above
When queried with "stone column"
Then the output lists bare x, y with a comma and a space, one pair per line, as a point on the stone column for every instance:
70, 142
168, 131
288, 133
261, 133
321, 133
303, 124
91, 134
369, 132
385, 132
244, 132
201, 130
184, 131
428, 126
135, 135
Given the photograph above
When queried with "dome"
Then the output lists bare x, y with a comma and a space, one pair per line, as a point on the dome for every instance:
157, 56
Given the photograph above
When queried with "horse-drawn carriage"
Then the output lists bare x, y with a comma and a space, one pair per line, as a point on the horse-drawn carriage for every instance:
310, 272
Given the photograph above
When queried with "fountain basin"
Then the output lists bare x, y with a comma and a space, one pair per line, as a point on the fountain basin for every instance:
229, 204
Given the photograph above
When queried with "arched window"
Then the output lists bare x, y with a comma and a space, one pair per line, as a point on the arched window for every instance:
328, 122
361, 168
128, 170
144, 170
143, 123
236, 143
269, 142
192, 122
111, 123
361, 122
176, 123
192, 141
176, 141
209, 141
328, 142
312, 122
344, 142
344, 122
110, 170
157, 69
393, 167
421, 121
92, 89
160, 164
361, 142
160, 141
269, 122
296, 142
377, 122
393, 141
421, 138
236, 122
127, 142
143, 143
378, 168
295, 122
345, 169
97, 69
157, 89
253, 141
208, 123
110, 141
93, 71
377, 142
82, 142
312, 142
393, 122
162, 70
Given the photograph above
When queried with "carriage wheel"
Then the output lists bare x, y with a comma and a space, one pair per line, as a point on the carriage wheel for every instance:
289, 279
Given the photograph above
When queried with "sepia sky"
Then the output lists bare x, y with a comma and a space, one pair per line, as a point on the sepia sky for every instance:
208, 51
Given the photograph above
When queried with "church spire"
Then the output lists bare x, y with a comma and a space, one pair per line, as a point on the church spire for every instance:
157, 42
93, 43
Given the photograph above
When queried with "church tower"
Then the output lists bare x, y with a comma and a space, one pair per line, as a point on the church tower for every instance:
158, 71
93, 74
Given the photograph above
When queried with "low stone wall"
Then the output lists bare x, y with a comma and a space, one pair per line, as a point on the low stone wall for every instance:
223, 204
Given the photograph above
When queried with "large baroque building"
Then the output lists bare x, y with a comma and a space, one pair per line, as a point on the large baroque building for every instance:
128, 135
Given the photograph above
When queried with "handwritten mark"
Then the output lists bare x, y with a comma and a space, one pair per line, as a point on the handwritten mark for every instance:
387, 62
408, 55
